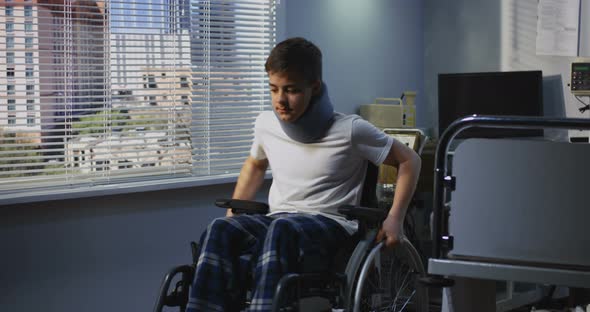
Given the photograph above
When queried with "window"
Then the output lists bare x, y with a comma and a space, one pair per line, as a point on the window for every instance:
10, 89
184, 82
152, 82
28, 42
29, 57
11, 104
153, 100
146, 90
9, 57
9, 11
30, 90
12, 119
9, 27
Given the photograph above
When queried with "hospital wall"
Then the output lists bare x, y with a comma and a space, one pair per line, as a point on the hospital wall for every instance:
110, 253
370, 48
481, 35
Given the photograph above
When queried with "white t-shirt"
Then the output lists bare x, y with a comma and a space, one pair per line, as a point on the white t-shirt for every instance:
319, 177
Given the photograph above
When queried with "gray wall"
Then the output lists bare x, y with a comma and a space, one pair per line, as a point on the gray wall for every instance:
459, 36
99, 254
109, 253
370, 48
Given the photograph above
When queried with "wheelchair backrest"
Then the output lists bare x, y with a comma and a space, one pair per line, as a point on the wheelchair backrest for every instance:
369, 194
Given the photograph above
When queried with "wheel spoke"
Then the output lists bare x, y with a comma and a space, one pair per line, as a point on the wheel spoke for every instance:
399, 290
392, 286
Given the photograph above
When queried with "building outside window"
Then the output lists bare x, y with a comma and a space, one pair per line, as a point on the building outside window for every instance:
68, 57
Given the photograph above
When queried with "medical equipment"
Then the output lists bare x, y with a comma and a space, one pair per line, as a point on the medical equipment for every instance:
580, 77
508, 93
580, 87
521, 216
391, 112
414, 139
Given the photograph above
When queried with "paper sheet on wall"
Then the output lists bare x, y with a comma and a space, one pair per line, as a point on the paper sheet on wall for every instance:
558, 27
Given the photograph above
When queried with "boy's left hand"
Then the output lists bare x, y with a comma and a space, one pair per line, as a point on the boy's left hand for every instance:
391, 231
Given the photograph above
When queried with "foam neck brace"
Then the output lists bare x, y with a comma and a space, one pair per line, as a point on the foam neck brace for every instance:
314, 123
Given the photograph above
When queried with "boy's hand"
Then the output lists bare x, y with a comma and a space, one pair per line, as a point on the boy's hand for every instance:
391, 231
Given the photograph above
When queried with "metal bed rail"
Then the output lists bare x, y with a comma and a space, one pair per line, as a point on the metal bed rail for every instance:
440, 235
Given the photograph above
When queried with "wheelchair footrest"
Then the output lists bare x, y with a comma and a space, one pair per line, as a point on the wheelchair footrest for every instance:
178, 297
300, 285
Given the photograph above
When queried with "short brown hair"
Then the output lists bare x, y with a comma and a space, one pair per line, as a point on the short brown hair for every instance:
297, 55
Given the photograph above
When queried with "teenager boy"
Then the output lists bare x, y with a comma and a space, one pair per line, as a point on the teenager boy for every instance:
318, 159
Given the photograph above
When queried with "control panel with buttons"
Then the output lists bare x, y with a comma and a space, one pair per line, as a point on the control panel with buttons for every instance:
580, 78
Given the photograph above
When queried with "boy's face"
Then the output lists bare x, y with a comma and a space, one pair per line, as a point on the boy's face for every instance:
291, 94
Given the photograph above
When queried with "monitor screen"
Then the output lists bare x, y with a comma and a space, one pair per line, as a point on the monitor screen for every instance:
517, 93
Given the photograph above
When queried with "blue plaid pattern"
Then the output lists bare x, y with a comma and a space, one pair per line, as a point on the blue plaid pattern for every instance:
271, 246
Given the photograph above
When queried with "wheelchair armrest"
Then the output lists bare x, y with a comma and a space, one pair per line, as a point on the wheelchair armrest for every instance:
242, 206
363, 213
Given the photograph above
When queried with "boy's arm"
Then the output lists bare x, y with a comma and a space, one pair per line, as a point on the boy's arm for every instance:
250, 179
407, 177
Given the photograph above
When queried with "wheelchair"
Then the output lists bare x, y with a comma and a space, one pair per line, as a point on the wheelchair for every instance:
372, 278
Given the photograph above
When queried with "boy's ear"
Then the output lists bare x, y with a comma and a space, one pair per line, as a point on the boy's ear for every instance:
316, 87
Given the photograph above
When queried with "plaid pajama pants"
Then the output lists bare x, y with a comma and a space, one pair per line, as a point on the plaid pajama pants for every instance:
268, 246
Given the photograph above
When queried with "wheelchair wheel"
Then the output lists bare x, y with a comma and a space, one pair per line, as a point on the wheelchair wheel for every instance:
388, 281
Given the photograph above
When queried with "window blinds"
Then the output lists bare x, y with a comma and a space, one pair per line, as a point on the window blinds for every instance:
110, 92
